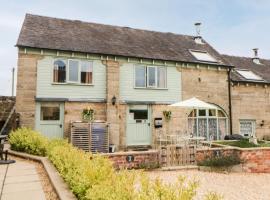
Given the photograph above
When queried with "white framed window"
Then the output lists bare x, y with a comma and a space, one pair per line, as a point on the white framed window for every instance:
247, 127
203, 56
75, 71
249, 75
150, 77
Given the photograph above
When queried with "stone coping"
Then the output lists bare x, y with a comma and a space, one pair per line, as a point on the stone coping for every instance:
223, 146
125, 153
61, 188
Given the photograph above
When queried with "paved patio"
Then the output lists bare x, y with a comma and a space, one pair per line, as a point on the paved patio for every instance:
20, 181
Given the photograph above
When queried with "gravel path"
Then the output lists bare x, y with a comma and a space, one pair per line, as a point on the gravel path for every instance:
233, 186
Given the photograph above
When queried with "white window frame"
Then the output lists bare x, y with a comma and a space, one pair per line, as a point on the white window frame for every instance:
147, 86
79, 72
253, 122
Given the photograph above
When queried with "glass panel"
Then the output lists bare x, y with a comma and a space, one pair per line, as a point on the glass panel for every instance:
192, 127
161, 76
86, 72
202, 112
49, 112
140, 76
59, 71
193, 113
151, 74
203, 56
212, 112
249, 75
202, 127
222, 128
221, 114
212, 123
139, 114
73, 70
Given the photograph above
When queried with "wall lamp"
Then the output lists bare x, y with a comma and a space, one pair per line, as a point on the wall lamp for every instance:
113, 100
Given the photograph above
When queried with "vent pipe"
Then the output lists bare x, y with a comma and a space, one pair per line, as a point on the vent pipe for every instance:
256, 58
198, 38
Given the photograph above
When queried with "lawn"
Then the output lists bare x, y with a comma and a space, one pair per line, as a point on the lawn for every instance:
244, 143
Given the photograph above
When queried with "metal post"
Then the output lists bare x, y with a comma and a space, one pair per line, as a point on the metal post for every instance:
12, 89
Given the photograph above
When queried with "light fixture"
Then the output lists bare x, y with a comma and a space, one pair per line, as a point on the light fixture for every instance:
113, 100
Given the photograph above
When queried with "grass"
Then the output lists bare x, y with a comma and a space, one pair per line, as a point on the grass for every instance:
244, 143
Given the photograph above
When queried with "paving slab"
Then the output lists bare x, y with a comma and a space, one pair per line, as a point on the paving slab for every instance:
21, 182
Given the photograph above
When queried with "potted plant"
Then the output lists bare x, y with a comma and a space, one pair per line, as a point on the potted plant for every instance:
88, 114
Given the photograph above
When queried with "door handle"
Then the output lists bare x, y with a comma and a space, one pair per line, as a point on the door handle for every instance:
60, 125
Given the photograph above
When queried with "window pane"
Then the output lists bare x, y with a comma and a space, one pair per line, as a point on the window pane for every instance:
86, 72
139, 114
203, 56
246, 128
221, 114
161, 76
73, 70
140, 76
202, 112
151, 74
212, 112
50, 113
59, 71
193, 113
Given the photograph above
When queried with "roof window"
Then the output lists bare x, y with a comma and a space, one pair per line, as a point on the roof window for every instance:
203, 56
249, 75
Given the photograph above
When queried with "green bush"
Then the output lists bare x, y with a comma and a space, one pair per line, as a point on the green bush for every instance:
28, 141
244, 143
221, 161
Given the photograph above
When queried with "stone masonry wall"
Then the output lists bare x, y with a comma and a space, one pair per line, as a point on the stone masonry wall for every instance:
251, 102
73, 112
26, 88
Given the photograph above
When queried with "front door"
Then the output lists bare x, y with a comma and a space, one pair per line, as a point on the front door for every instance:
138, 131
49, 119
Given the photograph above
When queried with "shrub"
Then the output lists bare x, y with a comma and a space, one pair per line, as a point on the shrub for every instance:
28, 141
221, 161
244, 143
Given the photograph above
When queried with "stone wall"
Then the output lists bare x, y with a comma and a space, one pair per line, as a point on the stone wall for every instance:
138, 159
251, 102
6, 105
255, 160
26, 88
73, 112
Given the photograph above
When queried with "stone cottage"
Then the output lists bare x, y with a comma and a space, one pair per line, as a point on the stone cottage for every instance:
127, 76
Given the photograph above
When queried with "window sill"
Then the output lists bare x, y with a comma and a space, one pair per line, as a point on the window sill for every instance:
149, 88
78, 84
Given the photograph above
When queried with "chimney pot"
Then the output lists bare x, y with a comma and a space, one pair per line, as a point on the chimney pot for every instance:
198, 38
256, 58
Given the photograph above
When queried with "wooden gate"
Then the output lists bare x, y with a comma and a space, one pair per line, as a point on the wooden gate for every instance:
175, 155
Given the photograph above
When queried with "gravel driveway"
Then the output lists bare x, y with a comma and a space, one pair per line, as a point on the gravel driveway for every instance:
233, 186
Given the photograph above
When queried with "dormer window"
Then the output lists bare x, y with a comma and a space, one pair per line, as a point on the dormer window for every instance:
249, 75
203, 56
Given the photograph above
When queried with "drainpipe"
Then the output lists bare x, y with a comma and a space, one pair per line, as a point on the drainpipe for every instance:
230, 99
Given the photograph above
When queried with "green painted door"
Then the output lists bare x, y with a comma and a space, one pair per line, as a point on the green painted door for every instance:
50, 118
138, 131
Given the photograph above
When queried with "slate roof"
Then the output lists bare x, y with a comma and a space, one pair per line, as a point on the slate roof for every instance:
262, 70
73, 35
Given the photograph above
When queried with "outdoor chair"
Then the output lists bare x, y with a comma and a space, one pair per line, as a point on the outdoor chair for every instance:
4, 153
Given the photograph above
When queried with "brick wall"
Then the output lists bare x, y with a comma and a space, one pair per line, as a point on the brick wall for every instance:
251, 102
142, 159
255, 160
26, 88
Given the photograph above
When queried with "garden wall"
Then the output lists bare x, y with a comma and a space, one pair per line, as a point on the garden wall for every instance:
255, 160
134, 159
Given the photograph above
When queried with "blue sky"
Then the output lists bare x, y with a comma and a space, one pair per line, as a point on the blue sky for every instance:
232, 27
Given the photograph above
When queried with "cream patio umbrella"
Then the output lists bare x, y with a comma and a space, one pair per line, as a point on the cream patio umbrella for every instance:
193, 103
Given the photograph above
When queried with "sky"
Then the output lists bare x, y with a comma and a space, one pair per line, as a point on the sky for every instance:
232, 27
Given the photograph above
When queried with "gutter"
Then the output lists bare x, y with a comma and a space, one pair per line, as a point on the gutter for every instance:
230, 99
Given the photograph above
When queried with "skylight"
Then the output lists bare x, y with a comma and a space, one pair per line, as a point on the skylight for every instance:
203, 56
249, 75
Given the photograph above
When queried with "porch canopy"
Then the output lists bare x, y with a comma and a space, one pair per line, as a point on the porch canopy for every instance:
194, 103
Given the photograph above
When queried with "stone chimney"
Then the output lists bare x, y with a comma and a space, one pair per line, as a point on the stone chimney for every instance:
198, 38
256, 58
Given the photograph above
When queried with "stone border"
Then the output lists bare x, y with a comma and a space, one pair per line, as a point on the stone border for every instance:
61, 188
